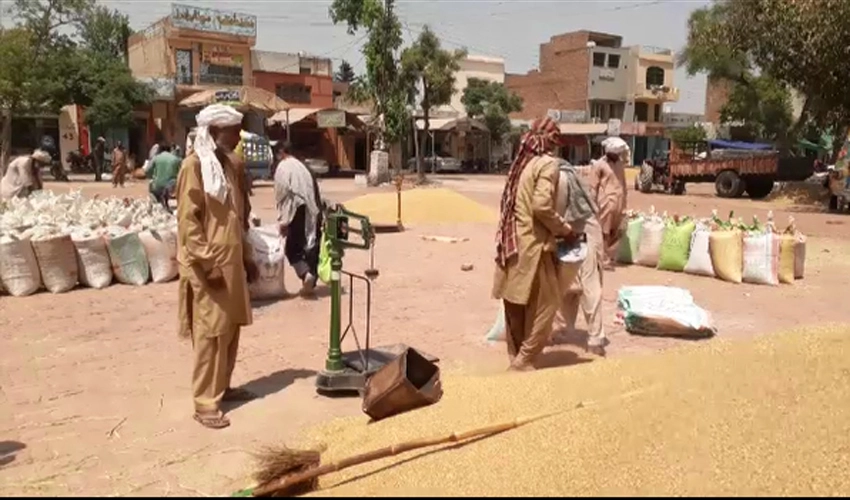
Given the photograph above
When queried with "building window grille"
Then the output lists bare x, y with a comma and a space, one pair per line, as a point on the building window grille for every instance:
654, 77
294, 93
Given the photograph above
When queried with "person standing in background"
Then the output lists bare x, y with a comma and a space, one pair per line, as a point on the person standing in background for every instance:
608, 184
526, 277
299, 206
163, 174
98, 155
119, 165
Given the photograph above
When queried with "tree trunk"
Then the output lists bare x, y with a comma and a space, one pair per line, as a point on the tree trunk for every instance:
416, 149
426, 112
5, 139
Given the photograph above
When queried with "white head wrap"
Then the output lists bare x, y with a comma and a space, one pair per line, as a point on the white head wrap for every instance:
215, 115
615, 145
41, 156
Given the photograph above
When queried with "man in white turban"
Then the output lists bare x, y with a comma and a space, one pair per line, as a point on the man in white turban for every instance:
610, 187
214, 259
23, 175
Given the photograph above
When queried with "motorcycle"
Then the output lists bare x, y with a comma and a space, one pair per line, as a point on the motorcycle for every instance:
80, 164
656, 173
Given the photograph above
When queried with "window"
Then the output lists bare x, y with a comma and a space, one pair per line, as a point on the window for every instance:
599, 59
654, 77
294, 93
641, 112
215, 74
183, 60
305, 70
657, 113
613, 61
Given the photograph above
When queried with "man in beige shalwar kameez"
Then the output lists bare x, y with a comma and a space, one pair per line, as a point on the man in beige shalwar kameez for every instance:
609, 182
526, 277
214, 260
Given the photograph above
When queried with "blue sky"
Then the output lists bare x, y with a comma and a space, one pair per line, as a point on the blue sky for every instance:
512, 29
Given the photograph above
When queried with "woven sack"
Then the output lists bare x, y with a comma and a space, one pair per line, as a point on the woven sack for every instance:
676, 245
799, 256
57, 261
129, 262
268, 255
727, 255
630, 243
699, 259
761, 258
93, 261
787, 258
19, 271
651, 237
161, 251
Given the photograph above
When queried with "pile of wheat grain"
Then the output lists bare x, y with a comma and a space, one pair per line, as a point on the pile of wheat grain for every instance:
422, 206
764, 417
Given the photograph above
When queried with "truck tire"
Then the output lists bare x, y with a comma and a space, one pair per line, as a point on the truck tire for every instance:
729, 184
833, 203
758, 189
678, 187
644, 178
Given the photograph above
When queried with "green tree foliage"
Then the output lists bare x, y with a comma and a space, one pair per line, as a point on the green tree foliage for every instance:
67, 52
695, 133
766, 44
764, 107
492, 103
345, 73
382, 85
431, 72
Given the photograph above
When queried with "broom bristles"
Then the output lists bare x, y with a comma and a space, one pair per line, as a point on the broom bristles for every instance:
275, 463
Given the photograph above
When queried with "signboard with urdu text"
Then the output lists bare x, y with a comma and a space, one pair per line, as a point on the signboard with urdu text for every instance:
213, 21
330, 118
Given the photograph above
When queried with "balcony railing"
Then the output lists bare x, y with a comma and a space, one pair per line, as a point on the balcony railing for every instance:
203, 80
670, 94
661, 51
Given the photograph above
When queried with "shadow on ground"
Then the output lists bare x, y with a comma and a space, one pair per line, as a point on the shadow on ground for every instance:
8, 449
272, 384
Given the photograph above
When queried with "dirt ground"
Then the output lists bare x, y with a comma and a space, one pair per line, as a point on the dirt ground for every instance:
95, 384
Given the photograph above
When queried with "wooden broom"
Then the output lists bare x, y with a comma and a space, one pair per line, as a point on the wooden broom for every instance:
287, 472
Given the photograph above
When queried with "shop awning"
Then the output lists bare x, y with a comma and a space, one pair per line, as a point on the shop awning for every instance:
446, 124
583, 128
300, 114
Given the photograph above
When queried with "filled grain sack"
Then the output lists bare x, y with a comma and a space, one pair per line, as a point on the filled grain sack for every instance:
761, 258
663, 311
93, 261
651, 237
630, 243
18, 267
268, 255
799, 249
161, 252
57, 261
699, 258
787, 242
727, 255
676, 245
129, 261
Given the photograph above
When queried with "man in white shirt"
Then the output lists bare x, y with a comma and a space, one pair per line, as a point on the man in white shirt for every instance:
299, 215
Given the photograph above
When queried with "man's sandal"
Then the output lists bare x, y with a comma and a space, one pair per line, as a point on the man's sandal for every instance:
212, 420
238, 394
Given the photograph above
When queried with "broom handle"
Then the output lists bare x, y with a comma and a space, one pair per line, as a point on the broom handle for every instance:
390, 451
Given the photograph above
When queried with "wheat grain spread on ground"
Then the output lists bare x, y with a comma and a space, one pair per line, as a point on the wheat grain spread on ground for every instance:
769, 417
422, 206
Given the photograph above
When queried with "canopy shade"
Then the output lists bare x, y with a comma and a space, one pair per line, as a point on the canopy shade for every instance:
446, 124
297, 115
252, 98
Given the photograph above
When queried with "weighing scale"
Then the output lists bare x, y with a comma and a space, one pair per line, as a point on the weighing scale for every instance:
348, 372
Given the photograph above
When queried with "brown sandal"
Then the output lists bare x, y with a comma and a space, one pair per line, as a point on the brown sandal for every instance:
238, 394
212, 421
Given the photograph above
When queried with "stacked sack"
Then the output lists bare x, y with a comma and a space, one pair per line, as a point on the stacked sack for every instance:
727, 249
58, 241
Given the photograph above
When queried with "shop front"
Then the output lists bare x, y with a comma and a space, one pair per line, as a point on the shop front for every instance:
335, 136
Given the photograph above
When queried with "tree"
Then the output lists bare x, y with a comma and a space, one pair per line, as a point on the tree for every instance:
345, 73
801, 45
382, 85
764, 107
66, 52
492, 103
695, 133
426, 64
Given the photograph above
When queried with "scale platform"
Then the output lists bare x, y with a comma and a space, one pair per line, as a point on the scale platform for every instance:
353, 378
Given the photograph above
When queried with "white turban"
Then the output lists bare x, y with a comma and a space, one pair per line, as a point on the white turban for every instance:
215, 115
41, 156
615, 145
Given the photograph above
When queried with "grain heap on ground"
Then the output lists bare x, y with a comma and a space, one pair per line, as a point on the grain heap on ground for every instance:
422, 206
765, 417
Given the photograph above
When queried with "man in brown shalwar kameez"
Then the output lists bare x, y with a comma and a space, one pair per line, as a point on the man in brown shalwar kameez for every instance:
214, 260
526, 277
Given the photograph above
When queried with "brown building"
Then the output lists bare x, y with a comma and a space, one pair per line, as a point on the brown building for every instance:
192, 49
303, 82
